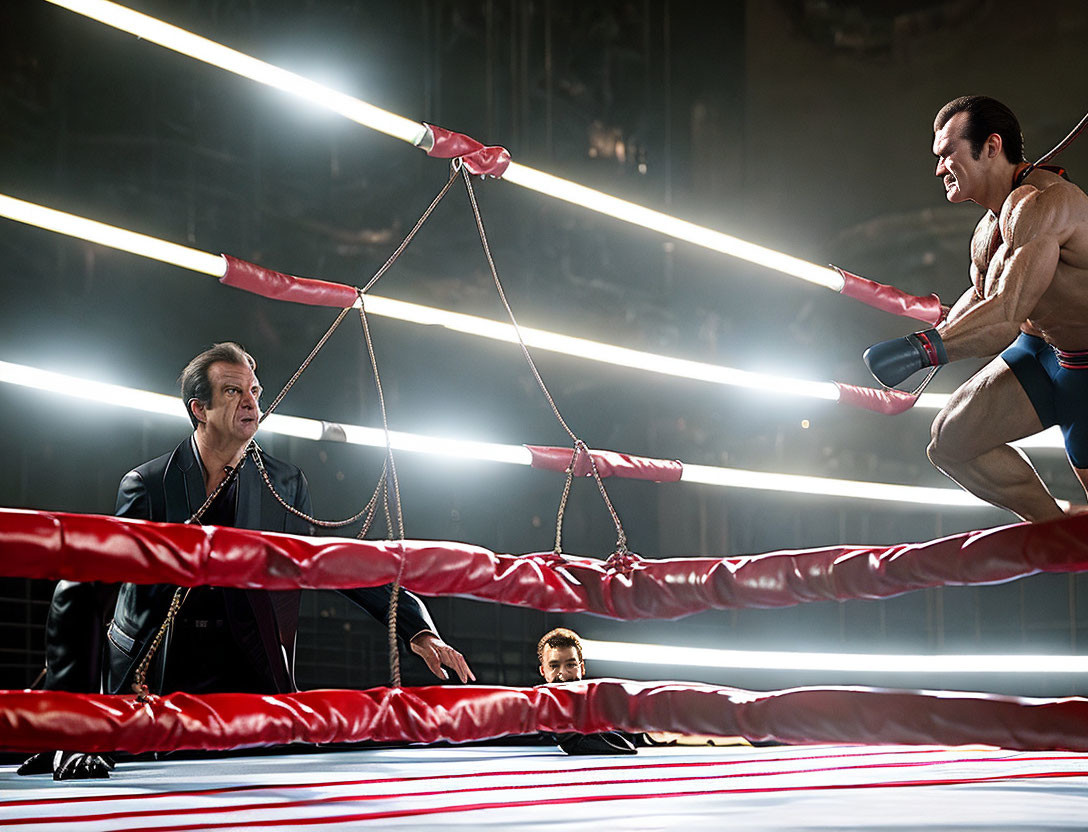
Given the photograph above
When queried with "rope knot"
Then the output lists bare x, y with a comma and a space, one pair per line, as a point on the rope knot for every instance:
623, 562
478, 159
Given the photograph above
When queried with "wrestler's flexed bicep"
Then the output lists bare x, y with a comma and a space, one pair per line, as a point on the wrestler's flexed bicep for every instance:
1018, 274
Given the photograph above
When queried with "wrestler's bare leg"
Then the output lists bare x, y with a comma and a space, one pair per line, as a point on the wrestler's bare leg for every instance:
970, 439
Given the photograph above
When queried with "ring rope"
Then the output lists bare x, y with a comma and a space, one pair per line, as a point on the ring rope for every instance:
1059, 147
72, 546
40, 720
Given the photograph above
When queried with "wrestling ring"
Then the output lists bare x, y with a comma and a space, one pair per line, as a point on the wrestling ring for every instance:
895, 759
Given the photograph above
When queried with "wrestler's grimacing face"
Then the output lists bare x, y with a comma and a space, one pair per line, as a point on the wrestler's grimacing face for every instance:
958, 169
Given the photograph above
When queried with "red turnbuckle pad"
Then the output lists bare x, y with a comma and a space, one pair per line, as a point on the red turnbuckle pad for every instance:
609, 464
889, 299
888, 402
478, 158
279, 286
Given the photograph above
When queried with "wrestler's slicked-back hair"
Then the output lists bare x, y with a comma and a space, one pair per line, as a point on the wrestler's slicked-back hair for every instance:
194, 380
985, 116
559, 637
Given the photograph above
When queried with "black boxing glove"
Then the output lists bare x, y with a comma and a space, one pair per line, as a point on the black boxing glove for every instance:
894, 361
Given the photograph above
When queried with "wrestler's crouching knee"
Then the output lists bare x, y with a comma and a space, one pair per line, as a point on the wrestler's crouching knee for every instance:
942, 450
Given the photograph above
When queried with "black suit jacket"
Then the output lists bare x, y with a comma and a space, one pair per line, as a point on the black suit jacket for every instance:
169, 489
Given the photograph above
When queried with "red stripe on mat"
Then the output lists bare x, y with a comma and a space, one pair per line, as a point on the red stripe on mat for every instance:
521, 804
58, 801
318, 801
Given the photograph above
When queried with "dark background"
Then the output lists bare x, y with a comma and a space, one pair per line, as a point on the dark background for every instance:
803, 126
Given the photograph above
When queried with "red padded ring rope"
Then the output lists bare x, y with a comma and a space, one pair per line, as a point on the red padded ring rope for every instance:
88, 547
42, 720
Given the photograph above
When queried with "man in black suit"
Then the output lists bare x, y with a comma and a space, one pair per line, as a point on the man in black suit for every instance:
559, 660
223, 638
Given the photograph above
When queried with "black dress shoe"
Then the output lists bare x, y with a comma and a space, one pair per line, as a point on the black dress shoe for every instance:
40, 763
607, 742
75, 765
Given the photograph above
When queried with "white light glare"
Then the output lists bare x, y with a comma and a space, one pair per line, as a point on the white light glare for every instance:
600, 352
437, 445
660, 654
664, 224
109, 235
823, 486
315, 429
95, 391
208, 51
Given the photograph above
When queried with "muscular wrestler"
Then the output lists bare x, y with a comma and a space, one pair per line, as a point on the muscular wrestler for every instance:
1029, 276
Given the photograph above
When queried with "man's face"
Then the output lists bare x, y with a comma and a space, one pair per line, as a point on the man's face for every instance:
962, 174
561, 664
234, 410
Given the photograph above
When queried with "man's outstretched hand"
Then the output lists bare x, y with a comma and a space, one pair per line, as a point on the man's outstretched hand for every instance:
435, 652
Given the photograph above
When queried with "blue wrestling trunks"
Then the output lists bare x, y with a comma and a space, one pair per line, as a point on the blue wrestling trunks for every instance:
1057, 385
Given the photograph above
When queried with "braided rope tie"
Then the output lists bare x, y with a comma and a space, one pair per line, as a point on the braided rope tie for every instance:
391, 623
139, 683
367, 510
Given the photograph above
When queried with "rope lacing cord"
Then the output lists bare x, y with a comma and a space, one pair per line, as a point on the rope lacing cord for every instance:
579, 445
389, 471
394, 599
390, 462
367, 510
426, 214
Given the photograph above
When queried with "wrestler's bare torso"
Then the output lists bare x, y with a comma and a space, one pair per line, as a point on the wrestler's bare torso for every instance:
1013, 261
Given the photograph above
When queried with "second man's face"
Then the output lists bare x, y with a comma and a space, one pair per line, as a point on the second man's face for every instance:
235, 406
561, 664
